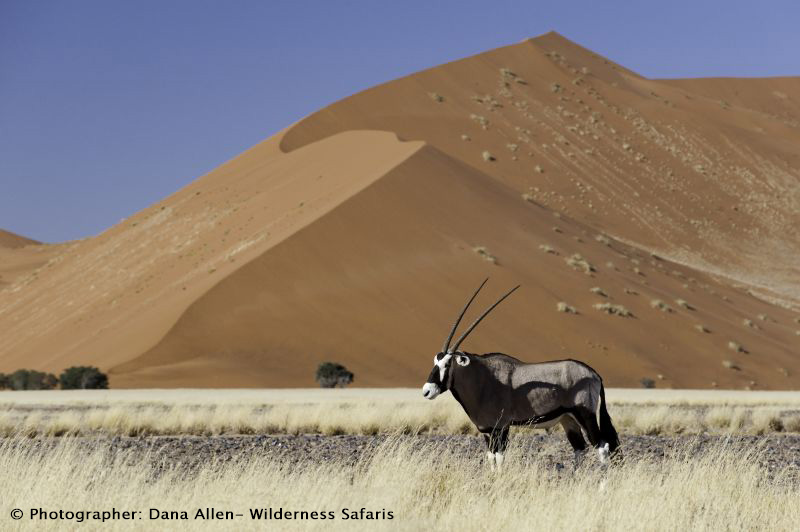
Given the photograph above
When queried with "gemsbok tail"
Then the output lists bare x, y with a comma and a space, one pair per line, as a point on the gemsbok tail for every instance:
607, 431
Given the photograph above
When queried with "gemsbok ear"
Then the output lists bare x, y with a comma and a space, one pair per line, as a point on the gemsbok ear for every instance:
461, 360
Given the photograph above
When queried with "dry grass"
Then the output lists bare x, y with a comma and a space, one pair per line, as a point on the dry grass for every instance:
431, 487
356, 411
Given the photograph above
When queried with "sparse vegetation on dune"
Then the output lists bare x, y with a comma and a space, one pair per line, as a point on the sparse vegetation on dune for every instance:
424, 486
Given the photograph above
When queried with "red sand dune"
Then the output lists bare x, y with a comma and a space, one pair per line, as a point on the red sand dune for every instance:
356, 235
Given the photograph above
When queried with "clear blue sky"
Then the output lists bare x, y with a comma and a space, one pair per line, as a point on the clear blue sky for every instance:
108, 106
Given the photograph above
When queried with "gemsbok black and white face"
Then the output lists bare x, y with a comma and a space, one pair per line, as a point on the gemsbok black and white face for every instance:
441, 375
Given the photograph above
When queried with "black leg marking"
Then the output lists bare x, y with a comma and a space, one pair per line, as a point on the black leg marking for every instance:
497, 440
575, 439
589, 424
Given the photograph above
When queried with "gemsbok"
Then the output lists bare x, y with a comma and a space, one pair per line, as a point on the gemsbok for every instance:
498, 391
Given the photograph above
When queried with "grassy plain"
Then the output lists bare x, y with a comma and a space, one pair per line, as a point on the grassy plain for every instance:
365, 411
427, 487
718, 485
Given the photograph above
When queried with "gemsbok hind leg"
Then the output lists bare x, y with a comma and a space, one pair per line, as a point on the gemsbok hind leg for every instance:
589, 423
573, 431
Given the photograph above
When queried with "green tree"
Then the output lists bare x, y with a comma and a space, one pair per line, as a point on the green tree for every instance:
83, 378
333, 375
30, 379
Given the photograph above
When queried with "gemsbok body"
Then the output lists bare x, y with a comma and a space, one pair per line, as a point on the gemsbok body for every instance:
498, 391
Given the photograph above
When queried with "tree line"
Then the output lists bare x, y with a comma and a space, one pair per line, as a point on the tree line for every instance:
74, 378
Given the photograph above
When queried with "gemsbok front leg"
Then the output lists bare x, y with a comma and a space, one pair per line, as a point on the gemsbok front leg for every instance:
496, 443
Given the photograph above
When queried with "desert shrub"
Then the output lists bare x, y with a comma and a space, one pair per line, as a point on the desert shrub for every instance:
484, 123
660, 305
333, 375
30, 379
647, 382
561, 306
603, 239
4, 384
483, 252
736, 346
614, 310
83, 378
548, 249
579, 263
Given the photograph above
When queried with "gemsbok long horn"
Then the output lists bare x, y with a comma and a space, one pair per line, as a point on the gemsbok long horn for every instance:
455, 325
476, 322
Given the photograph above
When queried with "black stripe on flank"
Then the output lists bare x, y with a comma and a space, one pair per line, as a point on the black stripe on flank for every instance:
544, 418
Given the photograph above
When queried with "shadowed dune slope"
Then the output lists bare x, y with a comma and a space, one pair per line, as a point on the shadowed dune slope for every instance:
356, 234
372, 287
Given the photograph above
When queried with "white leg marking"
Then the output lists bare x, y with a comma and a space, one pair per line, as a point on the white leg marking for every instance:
603, 452
499, 459
490, 459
